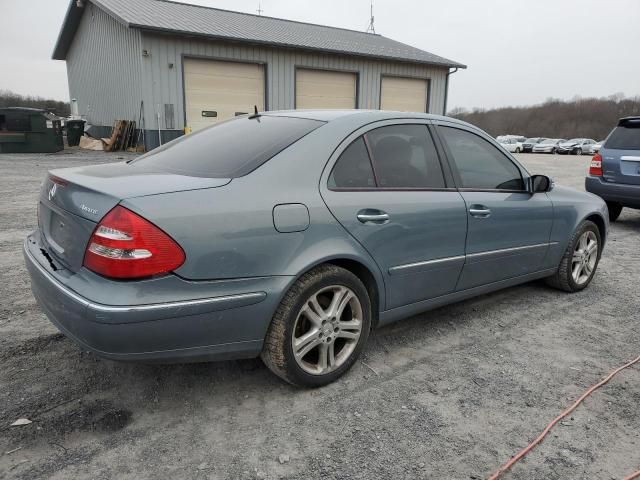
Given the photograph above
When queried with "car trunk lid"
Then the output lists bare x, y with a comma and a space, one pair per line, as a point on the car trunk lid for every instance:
73, 201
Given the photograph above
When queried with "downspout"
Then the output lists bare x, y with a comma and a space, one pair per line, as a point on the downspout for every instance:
446, 89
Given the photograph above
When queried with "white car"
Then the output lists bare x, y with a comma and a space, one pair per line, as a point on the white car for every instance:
595, 148
512, 145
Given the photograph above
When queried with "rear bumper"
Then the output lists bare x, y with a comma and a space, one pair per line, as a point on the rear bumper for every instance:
221, 320
626, 195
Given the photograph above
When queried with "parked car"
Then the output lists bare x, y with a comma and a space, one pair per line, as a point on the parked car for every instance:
529, 143
614, 173
290, 235
519, 138
549, 145
595, 148
575, 146
511, 145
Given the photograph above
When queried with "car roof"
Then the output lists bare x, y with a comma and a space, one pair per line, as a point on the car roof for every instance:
365, 116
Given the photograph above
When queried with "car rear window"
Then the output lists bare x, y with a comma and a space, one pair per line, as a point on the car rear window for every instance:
624, 138
229, 149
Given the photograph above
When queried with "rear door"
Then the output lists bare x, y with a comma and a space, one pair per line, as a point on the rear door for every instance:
621, 153
509, 228
387, 187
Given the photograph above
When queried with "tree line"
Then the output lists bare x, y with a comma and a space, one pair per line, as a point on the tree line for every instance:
11, 99
580, 117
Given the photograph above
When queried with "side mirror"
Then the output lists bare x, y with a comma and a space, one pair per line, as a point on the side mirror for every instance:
541, 184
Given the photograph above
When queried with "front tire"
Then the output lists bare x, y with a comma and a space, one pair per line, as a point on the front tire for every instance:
615, 209
320, 327
578, 151
580, 260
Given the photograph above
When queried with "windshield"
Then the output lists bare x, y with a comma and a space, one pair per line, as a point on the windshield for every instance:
574, 140
229, 149
548, 141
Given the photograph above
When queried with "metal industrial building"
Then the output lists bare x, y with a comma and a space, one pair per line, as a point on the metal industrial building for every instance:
191, 66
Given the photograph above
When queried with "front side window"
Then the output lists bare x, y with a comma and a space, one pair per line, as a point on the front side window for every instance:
404, 156
353, 168
480, 164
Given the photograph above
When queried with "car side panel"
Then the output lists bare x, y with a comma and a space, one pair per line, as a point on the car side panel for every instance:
570, 209
229, 232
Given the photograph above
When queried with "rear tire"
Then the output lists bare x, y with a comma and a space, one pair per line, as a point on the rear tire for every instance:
578, 151
312, 341
580, 260
615, 209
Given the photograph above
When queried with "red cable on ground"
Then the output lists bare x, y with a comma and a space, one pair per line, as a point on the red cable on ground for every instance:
504, 468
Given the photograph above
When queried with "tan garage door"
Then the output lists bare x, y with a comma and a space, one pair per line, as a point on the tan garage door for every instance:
216, 91
404, 94
325, 89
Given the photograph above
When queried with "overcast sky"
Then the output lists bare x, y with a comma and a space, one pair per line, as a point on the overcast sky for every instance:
518, 52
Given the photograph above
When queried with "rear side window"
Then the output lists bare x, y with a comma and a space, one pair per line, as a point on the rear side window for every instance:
353, 168
624, 138
480, 164
229, 149
404, 156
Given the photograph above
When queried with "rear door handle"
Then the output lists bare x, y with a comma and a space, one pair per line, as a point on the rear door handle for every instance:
373, 216
480, 211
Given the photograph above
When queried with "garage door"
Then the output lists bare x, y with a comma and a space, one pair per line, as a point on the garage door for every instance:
325, 89
404, 94
216, 91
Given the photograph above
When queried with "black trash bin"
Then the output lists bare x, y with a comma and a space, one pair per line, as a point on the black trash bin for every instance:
75, 130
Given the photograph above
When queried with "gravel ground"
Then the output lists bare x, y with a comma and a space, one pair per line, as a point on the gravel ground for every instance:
450, 394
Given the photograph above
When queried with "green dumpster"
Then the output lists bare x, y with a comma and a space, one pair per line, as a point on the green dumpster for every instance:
75, 130
29, 130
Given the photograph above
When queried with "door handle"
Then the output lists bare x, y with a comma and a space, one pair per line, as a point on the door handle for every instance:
479, 211
373, 216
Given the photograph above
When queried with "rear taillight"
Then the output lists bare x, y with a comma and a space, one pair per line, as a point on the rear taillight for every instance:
595, 168
125, 245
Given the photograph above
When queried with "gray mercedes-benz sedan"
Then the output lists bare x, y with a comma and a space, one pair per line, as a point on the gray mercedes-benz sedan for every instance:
290, 235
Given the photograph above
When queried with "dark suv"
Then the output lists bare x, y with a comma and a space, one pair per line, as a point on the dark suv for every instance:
614, 173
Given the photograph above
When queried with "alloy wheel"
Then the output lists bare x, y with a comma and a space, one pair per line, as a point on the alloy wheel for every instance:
327, 330
585, 256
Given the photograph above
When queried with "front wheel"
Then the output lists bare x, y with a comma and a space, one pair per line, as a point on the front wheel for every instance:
320, 327
517, 150
580, 260
578, 151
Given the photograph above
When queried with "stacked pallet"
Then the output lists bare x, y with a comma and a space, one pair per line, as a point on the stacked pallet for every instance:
123, 136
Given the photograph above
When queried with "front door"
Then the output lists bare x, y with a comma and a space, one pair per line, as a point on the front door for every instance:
509, 228
388, 191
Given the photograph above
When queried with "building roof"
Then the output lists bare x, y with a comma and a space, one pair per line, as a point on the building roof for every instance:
183, 19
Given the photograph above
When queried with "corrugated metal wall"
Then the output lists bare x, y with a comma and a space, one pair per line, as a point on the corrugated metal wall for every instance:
104, 67
166, 82
109, 76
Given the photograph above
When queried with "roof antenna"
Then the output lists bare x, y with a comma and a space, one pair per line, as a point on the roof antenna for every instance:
371, 28
256, 114
260, 10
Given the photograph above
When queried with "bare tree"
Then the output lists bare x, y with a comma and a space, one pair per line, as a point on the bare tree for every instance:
579, 117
